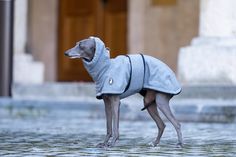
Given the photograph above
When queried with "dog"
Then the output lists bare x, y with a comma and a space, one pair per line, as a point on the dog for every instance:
120, 77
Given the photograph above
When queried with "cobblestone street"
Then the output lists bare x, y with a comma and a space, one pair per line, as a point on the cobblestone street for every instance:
69, 131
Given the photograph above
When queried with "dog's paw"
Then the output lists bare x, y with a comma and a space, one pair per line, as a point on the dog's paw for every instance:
110, 144
152, 144
101, 145
180, 145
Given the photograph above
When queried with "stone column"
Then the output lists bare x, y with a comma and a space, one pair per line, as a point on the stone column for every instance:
25, 70
20, 26
136, 25
211, 57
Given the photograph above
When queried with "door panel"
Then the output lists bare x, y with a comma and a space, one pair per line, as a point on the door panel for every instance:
79, 19
115, 26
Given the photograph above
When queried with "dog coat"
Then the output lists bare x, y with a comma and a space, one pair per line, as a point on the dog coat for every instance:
129, 74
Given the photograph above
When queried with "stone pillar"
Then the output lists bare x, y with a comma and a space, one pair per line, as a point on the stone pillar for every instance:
211, 57
217, 18
25, 70
42, 34
136, 27
20, 26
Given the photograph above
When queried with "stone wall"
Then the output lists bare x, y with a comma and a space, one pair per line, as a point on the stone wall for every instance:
42, 37
161, 30
25, 69
152, 29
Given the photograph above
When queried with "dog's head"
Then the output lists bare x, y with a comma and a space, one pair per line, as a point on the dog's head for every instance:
84, 49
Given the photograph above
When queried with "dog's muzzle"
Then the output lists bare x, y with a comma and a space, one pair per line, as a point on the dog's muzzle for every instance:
72, 54
66, 54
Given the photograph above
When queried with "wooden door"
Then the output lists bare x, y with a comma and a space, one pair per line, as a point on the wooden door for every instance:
79, 19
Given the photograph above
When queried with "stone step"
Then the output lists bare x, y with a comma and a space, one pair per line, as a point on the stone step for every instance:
224, 92
54, 90
184, 110
195, 103
73, 90
26, 70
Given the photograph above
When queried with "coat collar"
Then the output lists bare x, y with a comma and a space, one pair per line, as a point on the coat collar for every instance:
99, 64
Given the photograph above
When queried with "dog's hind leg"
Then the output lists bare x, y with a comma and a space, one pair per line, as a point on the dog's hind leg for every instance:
162, 101
149, 103
152, 110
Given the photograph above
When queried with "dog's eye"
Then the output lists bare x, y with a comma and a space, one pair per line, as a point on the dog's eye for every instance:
80, 45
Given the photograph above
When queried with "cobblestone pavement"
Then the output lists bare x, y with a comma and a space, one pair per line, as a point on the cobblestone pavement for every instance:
46, 131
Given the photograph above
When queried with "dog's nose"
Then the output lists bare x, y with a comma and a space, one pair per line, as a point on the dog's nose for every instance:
66, 53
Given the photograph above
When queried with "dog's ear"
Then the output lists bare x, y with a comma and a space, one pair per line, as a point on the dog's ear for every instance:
89, 48
93, 46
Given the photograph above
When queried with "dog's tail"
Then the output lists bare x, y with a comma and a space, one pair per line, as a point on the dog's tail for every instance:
147, 105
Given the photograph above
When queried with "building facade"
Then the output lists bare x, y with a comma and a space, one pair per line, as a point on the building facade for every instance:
44, 29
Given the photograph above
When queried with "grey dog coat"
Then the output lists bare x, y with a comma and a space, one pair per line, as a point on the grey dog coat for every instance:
129, 74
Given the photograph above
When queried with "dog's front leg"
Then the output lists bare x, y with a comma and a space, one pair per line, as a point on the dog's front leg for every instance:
108, 111
115, 106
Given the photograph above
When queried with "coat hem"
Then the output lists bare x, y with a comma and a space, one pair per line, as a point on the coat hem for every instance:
163, 90
99, 95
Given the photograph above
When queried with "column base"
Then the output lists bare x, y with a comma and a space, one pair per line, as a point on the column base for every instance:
208, 60
26, 70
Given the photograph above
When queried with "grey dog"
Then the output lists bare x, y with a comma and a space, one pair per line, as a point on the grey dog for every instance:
117, 78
